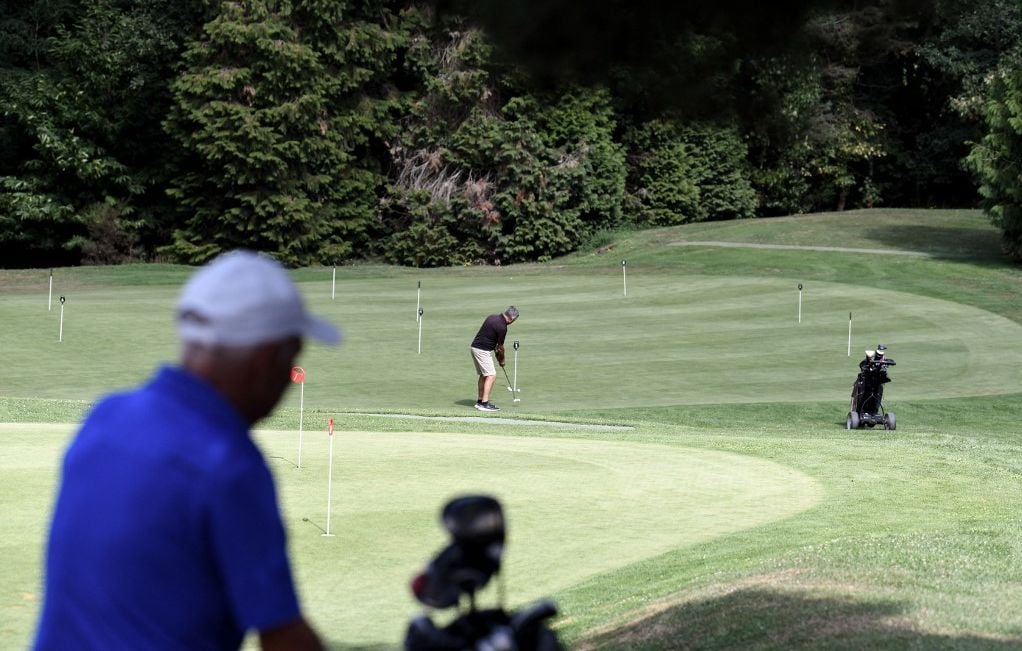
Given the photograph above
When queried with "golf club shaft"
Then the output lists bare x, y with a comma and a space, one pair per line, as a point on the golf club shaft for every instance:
507, 378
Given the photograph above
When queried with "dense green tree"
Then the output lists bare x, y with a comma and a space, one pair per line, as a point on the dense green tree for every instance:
661, 188
667, 54
447, 132
997, 158
966, 42
683, 173
82, 87
274, 111
814, 136
561, 174
509, 175
924, 78
35, 219
721, 171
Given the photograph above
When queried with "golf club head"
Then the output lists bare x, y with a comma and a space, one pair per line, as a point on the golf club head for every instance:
510, 389
476, 523
474, 520
454, 572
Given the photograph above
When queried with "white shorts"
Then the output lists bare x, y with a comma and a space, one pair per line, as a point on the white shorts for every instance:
483, 361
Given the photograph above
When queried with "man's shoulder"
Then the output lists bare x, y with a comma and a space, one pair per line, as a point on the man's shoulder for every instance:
164, 426
116, 407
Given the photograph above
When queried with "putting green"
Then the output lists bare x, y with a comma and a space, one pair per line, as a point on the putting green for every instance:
675, 339
575, 509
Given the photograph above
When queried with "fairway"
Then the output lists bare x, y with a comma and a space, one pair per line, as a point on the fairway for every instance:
698, 340
677, 468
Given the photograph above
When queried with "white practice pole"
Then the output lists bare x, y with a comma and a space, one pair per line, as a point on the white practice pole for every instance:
330, 477
800, 302
849, 334
515, 389
301, 419
333, 285
515, 384
420, 330
624, 277
49, 301
418, 302
61, 336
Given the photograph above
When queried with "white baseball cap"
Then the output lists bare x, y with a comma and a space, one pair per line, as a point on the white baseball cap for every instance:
244, 298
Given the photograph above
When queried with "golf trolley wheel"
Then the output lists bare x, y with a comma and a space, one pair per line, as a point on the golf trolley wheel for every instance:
852, 422
889, 421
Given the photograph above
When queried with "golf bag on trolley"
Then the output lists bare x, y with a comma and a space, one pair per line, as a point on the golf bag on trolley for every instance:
867, 408
476, 524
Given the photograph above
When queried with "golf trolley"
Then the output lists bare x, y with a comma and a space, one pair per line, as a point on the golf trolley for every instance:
867, 408
476, 524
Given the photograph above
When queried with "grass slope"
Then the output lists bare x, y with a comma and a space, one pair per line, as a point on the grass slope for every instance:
737, 513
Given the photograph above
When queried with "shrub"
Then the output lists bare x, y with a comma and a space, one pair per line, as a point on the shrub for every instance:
997, 158
688, 173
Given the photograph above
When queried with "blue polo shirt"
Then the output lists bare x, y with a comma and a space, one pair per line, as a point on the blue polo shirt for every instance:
166, 532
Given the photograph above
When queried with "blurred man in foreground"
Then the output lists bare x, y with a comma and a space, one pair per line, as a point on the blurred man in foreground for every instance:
166, 532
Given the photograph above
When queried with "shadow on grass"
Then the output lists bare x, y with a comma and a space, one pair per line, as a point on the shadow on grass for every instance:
948, 243
764, 619
314, 524
993, 418
284, 459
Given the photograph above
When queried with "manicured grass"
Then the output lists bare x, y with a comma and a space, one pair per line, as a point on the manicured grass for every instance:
737, 511
947, 234
966, 265
675, 339
388, 487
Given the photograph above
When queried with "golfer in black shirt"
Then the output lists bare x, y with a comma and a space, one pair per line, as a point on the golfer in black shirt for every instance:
490, 338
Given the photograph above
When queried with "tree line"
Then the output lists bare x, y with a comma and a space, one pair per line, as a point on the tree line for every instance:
443, 132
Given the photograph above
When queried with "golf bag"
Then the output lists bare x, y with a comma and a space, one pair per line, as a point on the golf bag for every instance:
867, 408
476, 524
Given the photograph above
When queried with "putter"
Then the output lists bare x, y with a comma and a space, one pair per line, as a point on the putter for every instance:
508, 380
